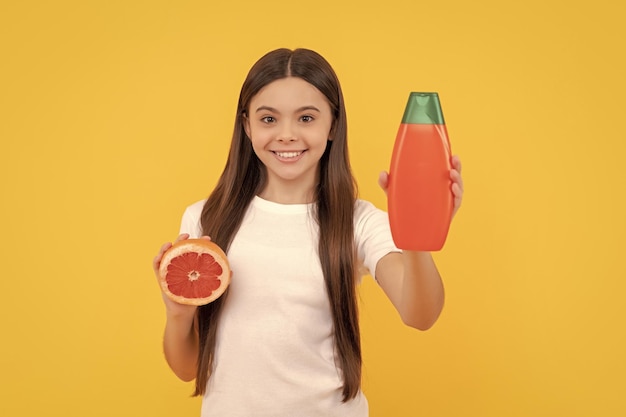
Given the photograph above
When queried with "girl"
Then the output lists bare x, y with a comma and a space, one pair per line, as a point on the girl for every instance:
284, 339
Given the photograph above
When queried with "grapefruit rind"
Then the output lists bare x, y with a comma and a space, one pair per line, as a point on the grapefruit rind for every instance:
199, 246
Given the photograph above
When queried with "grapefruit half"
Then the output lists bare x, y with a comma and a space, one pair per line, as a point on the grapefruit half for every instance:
194, 272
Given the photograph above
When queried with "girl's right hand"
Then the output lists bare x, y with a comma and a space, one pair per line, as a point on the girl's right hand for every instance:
173, 309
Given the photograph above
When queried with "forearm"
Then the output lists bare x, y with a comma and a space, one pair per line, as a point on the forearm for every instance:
422, 290
180, 345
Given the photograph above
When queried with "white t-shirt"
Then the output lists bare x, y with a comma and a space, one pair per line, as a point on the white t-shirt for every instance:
275, 350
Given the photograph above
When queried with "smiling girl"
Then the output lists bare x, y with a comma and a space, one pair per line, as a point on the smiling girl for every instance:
284, 339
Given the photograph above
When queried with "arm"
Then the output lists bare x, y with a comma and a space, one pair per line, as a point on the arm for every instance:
410, 279
180, 345
180, 339
413, 285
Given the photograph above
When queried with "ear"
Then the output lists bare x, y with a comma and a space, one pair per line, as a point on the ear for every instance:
331, 134
246, 123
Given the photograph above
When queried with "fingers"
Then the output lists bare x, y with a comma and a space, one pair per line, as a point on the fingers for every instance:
157, 259
456, 163
457, 182
455, 175
457, 191
182, 236
185, 236
156, 262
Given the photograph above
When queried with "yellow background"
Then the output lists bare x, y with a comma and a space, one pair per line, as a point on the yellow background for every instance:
117, 114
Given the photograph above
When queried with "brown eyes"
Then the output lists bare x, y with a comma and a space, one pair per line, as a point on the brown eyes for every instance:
271, 119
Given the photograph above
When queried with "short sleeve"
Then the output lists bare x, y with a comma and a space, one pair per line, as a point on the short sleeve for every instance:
190, 222
372, 235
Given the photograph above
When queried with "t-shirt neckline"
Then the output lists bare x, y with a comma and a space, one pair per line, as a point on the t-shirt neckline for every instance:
272, 206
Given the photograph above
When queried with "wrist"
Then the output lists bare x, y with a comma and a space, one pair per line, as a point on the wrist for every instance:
179, 312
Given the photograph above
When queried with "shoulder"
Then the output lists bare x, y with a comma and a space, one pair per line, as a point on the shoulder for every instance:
369, 219
364, 210
195, 210
191, 219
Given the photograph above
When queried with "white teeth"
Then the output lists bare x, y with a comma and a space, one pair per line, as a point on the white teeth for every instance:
288, 154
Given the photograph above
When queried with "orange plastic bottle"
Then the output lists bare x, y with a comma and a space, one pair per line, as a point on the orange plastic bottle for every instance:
420, 200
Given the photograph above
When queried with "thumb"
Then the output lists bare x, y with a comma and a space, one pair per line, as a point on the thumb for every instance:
383, 180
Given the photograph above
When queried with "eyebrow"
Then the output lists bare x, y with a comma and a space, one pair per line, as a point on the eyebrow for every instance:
273, 110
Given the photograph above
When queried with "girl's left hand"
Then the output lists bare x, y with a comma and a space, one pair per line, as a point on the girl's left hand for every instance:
455, 176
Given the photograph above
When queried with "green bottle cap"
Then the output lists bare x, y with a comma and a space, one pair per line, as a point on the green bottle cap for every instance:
423, 108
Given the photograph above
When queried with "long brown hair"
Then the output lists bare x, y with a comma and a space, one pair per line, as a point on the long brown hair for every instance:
244, 176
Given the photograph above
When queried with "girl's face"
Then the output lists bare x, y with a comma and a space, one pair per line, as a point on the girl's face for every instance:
288, 123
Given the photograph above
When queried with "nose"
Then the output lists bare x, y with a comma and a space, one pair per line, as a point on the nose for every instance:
287, 133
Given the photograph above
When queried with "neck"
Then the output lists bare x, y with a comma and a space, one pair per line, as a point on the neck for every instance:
286, 194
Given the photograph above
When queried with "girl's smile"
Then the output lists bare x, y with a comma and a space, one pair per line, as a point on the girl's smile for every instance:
288, 156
